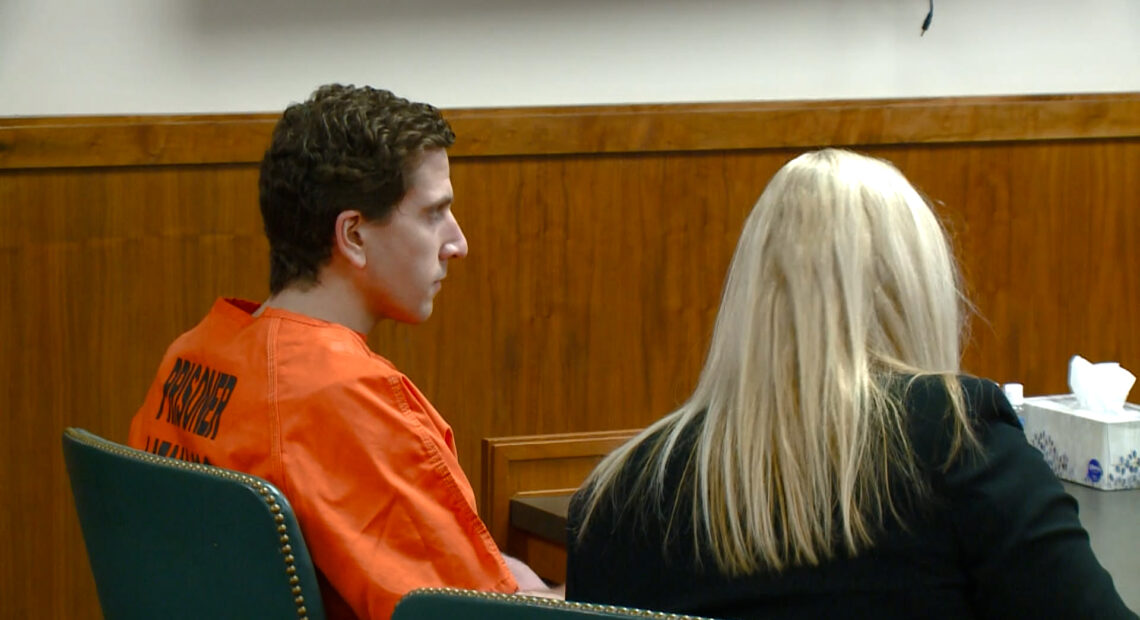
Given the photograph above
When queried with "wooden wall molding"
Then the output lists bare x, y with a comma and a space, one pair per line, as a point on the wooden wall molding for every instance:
117, 141
68, 142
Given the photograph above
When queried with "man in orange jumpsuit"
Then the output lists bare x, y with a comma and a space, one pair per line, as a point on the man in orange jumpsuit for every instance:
355, 195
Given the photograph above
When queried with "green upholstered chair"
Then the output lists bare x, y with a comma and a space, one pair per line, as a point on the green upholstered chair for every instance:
171, 539
453, 604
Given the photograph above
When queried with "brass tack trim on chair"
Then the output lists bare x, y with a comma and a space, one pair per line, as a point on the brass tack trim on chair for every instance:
259, 486
558, 603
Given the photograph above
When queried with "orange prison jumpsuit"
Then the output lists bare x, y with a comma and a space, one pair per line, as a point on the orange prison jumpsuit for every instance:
367, 463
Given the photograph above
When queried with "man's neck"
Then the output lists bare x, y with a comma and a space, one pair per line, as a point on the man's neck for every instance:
328, 300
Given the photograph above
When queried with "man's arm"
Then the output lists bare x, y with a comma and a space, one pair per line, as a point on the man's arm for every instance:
381, 499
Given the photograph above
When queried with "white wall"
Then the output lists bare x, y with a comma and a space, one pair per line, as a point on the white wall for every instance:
169, 56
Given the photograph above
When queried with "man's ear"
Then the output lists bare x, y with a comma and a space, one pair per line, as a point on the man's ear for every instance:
348, 240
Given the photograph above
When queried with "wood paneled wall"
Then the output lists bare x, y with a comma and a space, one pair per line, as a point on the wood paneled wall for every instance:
599, 239
536, 465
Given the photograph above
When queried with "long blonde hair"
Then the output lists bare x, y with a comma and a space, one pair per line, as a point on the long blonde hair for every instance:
842, 279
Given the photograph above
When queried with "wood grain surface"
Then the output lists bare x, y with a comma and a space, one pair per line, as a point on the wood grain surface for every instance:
599, 239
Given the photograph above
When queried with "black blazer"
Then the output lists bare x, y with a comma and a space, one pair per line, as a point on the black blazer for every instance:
998, 537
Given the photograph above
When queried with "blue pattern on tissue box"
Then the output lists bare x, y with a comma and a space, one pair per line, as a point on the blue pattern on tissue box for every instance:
1126, 472
1058, 462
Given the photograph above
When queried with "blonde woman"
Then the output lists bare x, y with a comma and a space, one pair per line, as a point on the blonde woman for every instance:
831, 461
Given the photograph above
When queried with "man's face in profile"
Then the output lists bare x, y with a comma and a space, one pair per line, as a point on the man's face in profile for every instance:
409, 250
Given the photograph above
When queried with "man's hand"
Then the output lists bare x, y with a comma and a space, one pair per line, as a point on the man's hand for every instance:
529, 581
558, 592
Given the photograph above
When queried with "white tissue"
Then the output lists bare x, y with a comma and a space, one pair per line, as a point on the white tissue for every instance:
1100, 388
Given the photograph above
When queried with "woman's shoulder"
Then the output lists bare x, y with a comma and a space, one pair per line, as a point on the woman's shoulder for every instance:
982, 399
932, 425
648, 456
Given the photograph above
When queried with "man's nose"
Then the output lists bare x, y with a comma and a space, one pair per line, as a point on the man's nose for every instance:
456, 247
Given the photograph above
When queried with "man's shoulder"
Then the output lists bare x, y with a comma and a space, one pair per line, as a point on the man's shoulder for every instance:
332, 365
225, 318
330, 350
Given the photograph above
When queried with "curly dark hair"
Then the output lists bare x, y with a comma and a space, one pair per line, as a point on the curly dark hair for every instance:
344, 148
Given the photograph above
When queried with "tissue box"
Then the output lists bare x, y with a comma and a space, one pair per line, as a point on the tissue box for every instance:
1094, 449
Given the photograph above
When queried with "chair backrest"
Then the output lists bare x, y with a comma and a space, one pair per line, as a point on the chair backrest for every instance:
453, 603
172, 539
